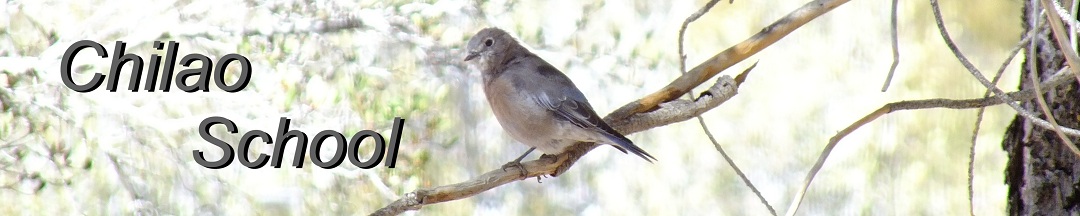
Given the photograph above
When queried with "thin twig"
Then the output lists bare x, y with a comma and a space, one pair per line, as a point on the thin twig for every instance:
729, 57
1065, 16
1071, 59
682, 68
1068, 18
971, 157
686, 23
895, 49
1060, 78
998, 93
1072, 31
731, 162
979, 117
1046, 111
1058, 30
736, 168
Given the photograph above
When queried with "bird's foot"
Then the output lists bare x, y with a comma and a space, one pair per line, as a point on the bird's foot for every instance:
516, 164
558, 170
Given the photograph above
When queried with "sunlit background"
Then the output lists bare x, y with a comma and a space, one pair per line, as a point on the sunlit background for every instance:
120, 153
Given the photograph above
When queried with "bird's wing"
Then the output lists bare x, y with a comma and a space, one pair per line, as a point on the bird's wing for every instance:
570, 104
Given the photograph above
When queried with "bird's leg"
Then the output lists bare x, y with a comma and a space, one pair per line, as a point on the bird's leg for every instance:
518, 160
517, 163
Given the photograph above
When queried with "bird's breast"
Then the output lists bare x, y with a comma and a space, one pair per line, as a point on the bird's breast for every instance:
520, 115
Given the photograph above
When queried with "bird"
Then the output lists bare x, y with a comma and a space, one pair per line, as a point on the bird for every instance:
536, 103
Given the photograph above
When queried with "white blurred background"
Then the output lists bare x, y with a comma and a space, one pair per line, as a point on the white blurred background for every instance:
109, 153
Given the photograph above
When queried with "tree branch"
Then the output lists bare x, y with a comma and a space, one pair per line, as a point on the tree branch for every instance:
986, 83
701, 121
979, 118
1058, 31
1070, 57
1061, 77
657, 109
670, 112
729, 57
895, 49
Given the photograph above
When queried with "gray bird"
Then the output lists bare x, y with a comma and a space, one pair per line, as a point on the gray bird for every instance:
536, 103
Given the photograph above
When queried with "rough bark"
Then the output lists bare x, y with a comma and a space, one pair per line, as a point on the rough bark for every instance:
1042, 174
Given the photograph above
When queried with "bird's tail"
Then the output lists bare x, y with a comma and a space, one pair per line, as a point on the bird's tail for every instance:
625, 145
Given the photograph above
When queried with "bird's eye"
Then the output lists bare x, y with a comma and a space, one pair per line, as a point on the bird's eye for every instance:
488, 42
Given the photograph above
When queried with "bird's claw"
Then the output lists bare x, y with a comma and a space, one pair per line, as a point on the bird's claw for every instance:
516, 164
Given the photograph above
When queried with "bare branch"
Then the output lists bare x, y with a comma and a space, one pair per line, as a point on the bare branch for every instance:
1070, 58
709, 68
978, 76
1060, 78
979, 117
729, 57
1072, 31
738, 171
701, 121
1059, 34
657, 109
670, 112
682, 30
895, 49
1057, 80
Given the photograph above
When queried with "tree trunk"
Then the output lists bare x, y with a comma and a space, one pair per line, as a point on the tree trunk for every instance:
1042, 174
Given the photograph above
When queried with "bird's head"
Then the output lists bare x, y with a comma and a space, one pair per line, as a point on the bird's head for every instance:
488, 44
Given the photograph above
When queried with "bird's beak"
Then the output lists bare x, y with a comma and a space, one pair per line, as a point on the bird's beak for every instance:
472, 55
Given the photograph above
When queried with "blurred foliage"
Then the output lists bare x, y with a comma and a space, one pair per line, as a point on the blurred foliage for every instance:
110, 153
